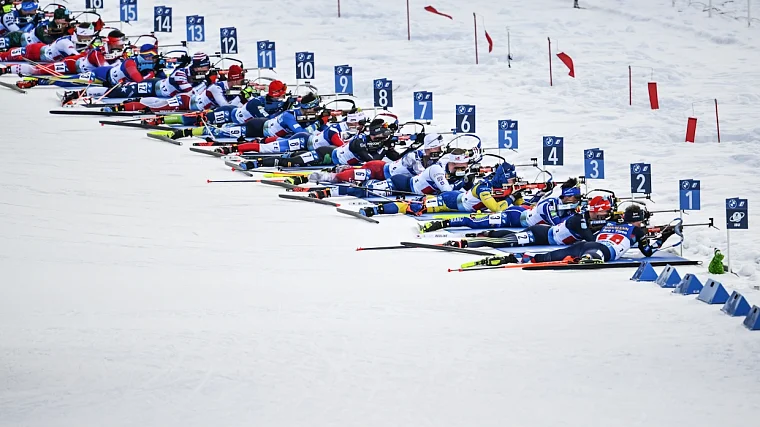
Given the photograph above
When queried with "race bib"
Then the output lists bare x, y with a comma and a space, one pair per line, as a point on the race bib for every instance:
235, 131
360, 174
219, 117
294, 144
494, 219
60, 67
172, 102
3, 43
142, 87
307, 157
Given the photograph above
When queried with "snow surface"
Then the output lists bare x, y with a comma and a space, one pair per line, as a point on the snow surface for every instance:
134, 293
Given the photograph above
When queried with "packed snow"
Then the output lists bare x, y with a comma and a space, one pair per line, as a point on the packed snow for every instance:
135, 293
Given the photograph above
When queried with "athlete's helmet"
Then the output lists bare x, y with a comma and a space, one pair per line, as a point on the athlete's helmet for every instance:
235, 74
503, 174
571, 192
309, 102
96, 58
277, 89
199, 67
146, 59
379, 130
115, 40
599, 204
455, 163
84, 34
633, 213
28, 7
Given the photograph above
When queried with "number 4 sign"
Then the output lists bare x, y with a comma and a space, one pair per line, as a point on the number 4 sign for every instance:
554, 150
689, 195
465, 117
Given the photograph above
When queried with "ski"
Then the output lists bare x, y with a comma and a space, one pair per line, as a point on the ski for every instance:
278, 184
446, 248
356, 214
633, 264
99, 113
464, 269
384, 248
308, 199
12, 87
165, 139
207, 152
135, 125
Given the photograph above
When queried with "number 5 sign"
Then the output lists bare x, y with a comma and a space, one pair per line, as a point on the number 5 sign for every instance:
508, 134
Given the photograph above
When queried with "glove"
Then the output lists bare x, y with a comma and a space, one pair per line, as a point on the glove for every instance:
184, 61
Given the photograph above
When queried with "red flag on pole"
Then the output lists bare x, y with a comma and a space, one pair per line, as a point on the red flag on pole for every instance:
490, 42
568, 61
431, 9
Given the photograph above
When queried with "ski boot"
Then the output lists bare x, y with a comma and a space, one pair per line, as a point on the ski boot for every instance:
5, 70
321, 176
434, 226
113, 108
226, 150
457, 243
494, 261
69, 97
587, 259
320, 194
297, 180
184, 133
155, 121
27, 83
246, 166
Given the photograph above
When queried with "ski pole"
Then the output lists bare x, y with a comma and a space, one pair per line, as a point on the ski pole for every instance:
211, 181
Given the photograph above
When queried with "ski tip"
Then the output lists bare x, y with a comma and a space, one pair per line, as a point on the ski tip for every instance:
359, 249
337, 205
208, 181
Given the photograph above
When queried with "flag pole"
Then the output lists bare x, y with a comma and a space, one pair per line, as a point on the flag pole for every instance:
408, 25
475, 21
338, 8
509, 50
551, 81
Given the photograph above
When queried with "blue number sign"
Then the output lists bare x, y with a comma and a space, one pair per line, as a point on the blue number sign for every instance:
265, 53
162, 19
93, 4
383, 93
304, 65
508, 134
423, 106
593, 162
229, 39
465, 117
737, 213
196, 28
128, 10
344, 79
641, 178
554, 150
688, 194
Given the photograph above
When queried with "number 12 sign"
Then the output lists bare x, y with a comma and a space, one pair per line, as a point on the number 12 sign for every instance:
229, 39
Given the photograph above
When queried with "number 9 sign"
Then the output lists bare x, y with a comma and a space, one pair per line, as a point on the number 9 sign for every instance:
344, 79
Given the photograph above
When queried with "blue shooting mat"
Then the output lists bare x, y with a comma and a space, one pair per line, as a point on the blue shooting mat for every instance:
633, 255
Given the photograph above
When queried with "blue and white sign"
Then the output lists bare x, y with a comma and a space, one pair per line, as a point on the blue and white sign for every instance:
162, 19
737, 214
196, 28
593, 163
265, 52
688, 195
344, 79
93, 4
465, 117
554, 150
423, 106
641, 178
508, 134
128, 10
304, 65
383, 93
228, 37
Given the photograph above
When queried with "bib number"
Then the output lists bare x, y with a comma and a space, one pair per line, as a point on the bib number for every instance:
614, 238
494, 219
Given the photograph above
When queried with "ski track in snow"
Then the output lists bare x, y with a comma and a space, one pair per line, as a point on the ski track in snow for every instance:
134, 293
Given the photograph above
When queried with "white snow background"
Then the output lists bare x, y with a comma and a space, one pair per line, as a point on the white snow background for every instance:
134, 293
